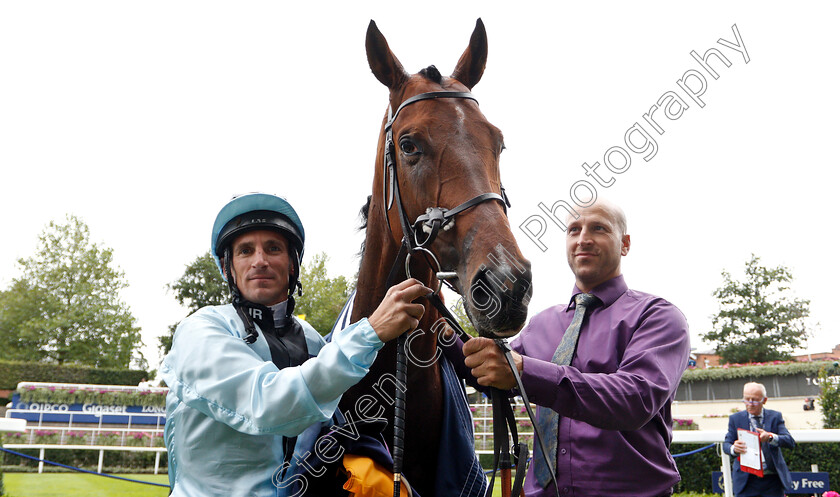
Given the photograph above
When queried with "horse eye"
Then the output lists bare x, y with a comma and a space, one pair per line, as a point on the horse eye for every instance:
408, 147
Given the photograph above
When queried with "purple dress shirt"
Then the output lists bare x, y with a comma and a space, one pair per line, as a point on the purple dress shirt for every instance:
614, 400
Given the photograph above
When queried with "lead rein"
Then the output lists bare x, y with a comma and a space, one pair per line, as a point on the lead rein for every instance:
506, 350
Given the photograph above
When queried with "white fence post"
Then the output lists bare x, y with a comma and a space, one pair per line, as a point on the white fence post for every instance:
726, 469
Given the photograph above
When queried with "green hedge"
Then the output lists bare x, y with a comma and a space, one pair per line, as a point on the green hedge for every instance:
732, 371
696, 470
13, 372
85, 459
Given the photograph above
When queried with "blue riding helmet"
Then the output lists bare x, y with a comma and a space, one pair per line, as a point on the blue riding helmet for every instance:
256, 211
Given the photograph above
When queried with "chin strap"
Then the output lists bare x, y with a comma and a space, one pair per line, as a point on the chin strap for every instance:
295, 286
238, 301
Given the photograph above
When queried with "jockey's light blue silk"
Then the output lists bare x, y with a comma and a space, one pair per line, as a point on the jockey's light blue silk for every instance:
229, 406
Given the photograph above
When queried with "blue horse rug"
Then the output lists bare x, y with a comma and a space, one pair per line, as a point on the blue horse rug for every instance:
459, 474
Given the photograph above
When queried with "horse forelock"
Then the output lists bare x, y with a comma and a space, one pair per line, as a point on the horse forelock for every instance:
432, 74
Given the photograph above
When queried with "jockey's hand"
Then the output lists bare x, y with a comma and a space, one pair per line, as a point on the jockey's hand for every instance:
489, 365
398, 313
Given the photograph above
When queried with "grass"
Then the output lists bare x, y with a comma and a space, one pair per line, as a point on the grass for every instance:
79, 485
497, 492
84, 485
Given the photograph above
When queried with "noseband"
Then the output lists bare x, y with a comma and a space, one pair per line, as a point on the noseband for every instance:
419, 235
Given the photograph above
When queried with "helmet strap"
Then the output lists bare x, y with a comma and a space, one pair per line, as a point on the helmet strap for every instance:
294, 282
237, 301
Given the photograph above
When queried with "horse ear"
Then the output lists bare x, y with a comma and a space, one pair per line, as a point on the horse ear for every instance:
470, 66
384, 64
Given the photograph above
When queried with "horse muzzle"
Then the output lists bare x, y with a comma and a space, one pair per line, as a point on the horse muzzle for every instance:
497, 300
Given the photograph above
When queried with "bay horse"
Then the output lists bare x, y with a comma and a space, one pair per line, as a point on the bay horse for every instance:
444, 155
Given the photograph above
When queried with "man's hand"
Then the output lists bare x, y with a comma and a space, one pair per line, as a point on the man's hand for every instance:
488, 363
397, 313
739, 447
765, 436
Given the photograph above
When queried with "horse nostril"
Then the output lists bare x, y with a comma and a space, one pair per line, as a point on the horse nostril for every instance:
505, 283
522, 288
483, 296
500, 298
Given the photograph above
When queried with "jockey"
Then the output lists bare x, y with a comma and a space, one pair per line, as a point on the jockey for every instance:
246, 378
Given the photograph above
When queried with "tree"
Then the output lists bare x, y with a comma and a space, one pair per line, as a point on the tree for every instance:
830, 396
758, 320
323, 297
461, 315
201, 285
65, 307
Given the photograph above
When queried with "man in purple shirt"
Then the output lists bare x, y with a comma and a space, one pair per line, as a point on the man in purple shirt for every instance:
614, 399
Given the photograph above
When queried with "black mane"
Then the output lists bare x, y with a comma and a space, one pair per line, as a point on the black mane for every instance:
363, 213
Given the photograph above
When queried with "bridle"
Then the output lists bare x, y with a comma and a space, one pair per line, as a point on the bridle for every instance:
435, 218
430, 223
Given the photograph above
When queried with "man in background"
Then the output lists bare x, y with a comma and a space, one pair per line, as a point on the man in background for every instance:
773, 435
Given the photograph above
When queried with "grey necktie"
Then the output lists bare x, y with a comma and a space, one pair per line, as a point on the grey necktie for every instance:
767, 463
549, 420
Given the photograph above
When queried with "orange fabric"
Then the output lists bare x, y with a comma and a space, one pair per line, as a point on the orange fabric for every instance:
365, 478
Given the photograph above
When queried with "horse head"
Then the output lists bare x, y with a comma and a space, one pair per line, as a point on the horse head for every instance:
445, 156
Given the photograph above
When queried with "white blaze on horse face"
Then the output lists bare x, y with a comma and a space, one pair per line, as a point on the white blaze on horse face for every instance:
462, 118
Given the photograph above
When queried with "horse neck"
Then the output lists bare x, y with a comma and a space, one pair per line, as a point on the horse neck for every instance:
379, 257
379, 253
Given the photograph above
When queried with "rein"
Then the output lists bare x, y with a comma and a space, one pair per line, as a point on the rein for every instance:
503, 415
430, 223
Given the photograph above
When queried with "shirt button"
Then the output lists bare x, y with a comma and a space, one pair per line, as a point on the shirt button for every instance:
565, 490
562, 451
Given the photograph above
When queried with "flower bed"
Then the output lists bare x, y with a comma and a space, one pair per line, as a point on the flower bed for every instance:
86, 437
144, 439
46, 437
109, 438
78, 437
101, 396
15, 437
685, 424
